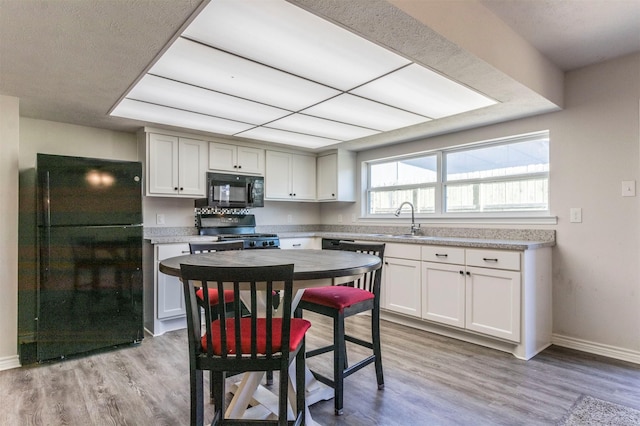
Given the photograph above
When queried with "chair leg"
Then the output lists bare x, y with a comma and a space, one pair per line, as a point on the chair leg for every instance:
197, 398
339, 348
283, 399
301, 404
377, 350
211, 390
219, 392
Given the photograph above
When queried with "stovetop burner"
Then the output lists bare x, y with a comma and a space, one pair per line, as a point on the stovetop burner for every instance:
229, 227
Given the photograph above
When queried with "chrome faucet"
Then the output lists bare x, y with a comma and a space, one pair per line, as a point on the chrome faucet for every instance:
414, 228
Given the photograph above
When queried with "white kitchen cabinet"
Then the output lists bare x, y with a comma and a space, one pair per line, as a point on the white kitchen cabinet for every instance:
164, 307
475, 289
176, 166
290, 177
443, 286
236, 158
300, 243
401, 279
337, 176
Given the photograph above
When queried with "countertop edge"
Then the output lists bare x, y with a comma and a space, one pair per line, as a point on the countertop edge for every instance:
425, 240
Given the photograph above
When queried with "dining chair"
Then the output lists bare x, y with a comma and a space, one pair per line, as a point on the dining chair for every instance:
340, 302
214, 298
213, 246
237, 343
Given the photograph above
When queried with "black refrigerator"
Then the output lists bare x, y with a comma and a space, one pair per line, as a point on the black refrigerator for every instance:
89, 293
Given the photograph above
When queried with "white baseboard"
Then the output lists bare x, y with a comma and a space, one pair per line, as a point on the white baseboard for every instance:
596, 348
9, 362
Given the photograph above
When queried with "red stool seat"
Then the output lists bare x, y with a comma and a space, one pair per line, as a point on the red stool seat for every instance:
338, 297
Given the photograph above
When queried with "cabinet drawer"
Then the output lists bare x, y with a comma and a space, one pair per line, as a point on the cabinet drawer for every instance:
443, 254
166, 251
403, 251
497, 259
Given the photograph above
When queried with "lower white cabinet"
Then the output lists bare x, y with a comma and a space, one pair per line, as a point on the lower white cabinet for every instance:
401, 279
483, 298
444, 293
164, 307
496, 298
300, 243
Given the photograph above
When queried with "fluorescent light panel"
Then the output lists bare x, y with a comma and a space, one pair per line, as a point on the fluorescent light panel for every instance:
161, 91
284, 36
213, 69
424, 92
363, 112
301, 123
151, 113
308, 82
287, 138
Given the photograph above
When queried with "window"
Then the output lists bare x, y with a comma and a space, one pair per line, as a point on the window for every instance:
508, 176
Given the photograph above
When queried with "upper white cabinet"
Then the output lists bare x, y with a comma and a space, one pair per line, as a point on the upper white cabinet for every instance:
290, 177
337, 176
176, 166
236, 158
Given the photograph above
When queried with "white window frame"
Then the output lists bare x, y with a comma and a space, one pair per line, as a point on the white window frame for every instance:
440, 215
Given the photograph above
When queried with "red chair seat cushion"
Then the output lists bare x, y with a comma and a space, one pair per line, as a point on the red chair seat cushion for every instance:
213, 296
338, 297
299, 327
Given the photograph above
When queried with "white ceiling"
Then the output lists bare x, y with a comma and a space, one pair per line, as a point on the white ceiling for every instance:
72, 60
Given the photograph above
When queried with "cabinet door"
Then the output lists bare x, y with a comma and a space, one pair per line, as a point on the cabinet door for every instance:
222, 156
192, 167
170, 296
162, 167
401, 286
250, 160
277, 180
493, 302
328, 177
443, 293
303, 175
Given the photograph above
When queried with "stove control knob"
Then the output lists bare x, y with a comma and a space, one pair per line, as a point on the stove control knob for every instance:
265, 243
252, 243
271, 243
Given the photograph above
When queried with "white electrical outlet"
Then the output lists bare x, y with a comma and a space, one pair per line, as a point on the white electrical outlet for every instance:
289, 218
575, 215
159, 219
339, 218
628, 188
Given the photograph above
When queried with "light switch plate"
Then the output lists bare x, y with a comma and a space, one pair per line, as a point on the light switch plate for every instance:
575, 215
628, 188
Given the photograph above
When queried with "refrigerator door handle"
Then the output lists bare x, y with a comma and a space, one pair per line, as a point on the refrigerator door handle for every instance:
45, 202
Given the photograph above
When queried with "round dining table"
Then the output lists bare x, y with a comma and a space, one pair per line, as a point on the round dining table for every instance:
312, 268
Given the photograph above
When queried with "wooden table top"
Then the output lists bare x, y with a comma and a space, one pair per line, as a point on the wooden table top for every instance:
308, 264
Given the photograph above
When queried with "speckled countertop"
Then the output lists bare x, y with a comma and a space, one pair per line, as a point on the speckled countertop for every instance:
506, 239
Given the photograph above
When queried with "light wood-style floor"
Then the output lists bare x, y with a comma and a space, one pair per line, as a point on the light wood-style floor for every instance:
429, 380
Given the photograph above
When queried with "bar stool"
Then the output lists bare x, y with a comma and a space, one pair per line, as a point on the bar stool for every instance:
340, 302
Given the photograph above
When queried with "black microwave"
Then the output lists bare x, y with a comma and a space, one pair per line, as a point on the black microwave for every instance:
233, 191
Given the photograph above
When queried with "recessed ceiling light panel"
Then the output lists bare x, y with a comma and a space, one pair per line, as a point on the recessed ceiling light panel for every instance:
174, 117
363, 112
425, 92
287, 138
301, 123
284, 36
213, 69
161, 91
